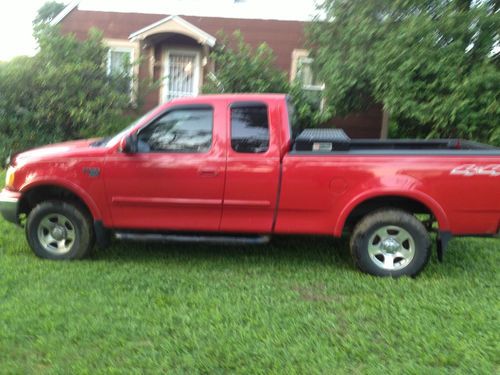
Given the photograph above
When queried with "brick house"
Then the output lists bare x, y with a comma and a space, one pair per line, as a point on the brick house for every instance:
176, 50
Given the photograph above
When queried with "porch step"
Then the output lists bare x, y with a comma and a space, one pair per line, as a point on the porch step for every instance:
192, 238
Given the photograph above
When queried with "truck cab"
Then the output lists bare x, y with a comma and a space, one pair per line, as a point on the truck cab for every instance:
210, 165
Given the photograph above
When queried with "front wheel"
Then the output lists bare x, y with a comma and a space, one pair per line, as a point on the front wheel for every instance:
59, 230
390, 242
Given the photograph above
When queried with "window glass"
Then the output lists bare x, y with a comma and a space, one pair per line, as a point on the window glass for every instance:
119, 62
249, 128
313, 88
180, 130
306, 73
120, 68
120, 135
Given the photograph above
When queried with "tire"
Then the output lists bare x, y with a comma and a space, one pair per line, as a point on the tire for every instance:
390, 242
59, 230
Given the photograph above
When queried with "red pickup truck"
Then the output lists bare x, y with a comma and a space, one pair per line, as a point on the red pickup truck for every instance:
227, 168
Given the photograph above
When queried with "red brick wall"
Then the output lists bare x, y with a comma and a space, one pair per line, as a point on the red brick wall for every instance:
360, 125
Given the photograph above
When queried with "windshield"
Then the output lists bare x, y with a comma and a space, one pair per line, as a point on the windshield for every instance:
119, 136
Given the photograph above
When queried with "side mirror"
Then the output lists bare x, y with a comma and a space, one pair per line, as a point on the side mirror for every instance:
128, 144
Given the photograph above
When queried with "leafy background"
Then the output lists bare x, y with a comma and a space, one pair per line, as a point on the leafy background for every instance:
434, 65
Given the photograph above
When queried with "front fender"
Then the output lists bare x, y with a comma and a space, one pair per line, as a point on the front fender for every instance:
70, 186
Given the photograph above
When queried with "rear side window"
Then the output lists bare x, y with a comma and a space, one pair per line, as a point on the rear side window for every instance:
249, 128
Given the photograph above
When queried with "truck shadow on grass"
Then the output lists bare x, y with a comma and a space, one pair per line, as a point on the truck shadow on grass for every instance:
296, 249
463, 255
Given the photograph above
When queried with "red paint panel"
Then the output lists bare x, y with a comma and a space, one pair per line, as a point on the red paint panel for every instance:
252, 180
158, 202
314, 201
246, 203
169, 191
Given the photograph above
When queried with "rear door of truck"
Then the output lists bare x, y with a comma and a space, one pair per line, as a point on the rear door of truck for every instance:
253, 167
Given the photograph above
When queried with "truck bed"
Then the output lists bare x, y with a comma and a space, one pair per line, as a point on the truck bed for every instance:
418, 144
326, 141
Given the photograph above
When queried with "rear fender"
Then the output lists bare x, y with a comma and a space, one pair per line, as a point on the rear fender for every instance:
416, 195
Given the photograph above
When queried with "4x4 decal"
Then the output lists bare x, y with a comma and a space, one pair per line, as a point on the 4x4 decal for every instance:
475, 170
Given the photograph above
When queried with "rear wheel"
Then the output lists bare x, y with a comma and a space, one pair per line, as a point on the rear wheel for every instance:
59, 230
390, 243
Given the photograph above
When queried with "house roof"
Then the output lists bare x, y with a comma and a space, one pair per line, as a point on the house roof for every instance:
282, 36
67, 10
165, 25
302, 10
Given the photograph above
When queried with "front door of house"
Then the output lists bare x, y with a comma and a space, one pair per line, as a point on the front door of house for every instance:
182, 74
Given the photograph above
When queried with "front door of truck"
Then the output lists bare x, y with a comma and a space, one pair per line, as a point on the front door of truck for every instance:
253, 168
176, 179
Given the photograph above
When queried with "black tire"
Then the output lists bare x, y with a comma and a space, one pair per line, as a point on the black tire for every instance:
73, 221
373, 253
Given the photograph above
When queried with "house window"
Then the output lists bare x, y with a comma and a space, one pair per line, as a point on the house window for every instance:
306, 75
120, 67
302, 70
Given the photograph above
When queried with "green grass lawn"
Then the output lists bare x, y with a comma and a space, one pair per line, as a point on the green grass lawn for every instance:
294, 306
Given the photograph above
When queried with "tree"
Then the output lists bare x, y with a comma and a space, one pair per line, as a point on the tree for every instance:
241, 69
64, 92
48, 12
75, 92
434, 64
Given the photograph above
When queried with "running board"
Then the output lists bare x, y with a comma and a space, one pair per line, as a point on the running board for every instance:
225, 240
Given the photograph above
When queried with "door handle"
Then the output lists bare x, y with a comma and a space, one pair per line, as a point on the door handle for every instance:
208, 172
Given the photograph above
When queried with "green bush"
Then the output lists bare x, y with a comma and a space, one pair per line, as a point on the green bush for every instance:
62, 93
115, 123
434, 65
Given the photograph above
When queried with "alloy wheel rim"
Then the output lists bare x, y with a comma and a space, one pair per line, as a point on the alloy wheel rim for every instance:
56, 233
391, 248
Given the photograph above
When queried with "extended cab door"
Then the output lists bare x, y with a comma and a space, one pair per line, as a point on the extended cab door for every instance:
176, 179
253, 168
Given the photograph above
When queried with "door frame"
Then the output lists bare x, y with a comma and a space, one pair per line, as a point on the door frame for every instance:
157, 204
193, 52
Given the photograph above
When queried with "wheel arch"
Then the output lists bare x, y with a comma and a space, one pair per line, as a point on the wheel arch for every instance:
35, 193
415, 202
